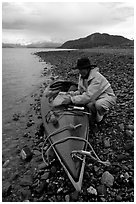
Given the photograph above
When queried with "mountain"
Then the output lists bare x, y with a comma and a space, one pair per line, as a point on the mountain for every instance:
98, 40
33, 45
11, 45
44, 45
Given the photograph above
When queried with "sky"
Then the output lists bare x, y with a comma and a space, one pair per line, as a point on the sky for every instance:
30, 22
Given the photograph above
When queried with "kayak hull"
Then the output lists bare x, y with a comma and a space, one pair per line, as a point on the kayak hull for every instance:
68, 133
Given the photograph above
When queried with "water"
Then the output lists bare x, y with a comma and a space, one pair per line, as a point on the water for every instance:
21, 74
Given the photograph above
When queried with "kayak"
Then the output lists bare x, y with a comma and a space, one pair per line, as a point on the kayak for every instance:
66, 130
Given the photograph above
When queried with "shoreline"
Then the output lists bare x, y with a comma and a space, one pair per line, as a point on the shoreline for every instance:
19, 182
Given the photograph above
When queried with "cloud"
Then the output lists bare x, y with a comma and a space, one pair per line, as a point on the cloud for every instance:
63, 21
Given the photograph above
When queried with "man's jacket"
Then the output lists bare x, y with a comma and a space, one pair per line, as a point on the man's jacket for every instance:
92, 88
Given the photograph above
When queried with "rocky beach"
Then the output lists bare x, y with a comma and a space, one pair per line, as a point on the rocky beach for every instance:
30, 179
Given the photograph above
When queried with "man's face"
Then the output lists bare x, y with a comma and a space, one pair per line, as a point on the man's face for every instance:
84, 72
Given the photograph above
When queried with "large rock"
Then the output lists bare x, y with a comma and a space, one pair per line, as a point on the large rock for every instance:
25, 193
102, 191
6, 188
26, 180
107, 179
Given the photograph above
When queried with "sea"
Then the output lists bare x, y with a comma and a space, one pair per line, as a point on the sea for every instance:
21, 75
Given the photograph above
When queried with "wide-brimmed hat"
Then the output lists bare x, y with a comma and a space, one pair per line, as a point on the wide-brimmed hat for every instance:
84, 63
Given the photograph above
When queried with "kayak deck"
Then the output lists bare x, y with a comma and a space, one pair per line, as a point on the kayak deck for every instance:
68, 132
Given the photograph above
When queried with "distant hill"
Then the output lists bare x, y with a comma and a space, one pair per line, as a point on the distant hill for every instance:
98, 40
11, 45
44, 45
33, 45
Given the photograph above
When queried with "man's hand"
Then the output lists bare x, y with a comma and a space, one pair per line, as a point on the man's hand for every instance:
67, 101
74, 93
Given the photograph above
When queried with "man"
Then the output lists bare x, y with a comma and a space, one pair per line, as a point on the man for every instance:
94, 90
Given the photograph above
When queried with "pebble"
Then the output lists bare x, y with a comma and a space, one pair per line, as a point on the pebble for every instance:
130, 127
118, 198
125, 168
45, 176
103, 199
6, 188
129, 133
29, 124
41, 187
53, 169
102, 191
121, 126
26, 180
14, 176
59, 190
121, 157
107, 179
126, 175
26, 154
106, 142
74, 196
6, 163
26, 135
25, 193
129, 146
36, 152
67, 198
42, 166
16, 117
92, 190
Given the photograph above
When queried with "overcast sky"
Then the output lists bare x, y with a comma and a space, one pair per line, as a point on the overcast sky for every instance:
25, 22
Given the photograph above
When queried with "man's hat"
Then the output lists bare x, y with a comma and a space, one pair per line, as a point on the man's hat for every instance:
84, 63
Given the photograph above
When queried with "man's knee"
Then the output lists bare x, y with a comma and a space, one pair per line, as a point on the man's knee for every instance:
101, 107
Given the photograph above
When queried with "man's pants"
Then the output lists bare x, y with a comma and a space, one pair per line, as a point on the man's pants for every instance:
101, 106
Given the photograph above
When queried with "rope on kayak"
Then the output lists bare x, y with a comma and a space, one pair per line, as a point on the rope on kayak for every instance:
107, 163
61, 113
69, 127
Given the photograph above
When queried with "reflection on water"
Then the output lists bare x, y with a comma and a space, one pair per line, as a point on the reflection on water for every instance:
21, 71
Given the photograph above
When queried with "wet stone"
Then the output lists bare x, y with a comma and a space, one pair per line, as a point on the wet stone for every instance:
92, 190
6, 188
25, 193
129, 133
129, 146
121, 126
107, 179
45, 176
130, 127
42, 166
101, 189
6, 163
74, 196
118, 198
121, 157
26, 180
26, 154
67, 198
36, 152
53, 169
26, 135
41, 187
106, 142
